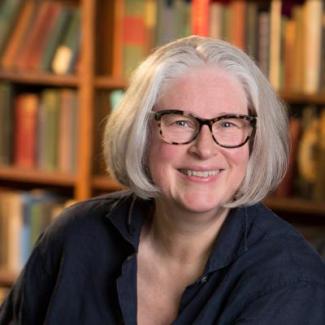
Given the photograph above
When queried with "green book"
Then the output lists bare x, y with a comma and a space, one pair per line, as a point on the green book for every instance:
66, 53
134, 35
48, 130
115, 96
9, 10
55, 37
6, 123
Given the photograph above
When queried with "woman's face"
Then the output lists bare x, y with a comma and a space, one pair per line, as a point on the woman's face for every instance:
206, 93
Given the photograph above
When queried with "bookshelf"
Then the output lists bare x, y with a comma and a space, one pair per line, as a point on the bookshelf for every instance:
100, 69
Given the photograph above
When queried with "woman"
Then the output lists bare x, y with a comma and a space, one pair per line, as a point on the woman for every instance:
199, 139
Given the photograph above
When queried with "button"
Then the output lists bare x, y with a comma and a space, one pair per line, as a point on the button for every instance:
204, 279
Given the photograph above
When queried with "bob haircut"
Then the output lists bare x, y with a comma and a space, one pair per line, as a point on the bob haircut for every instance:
127, 132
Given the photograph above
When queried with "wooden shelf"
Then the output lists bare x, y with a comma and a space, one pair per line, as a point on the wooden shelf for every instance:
102, 82
296, 205
36, 176
298, 98
39, 78
104, 183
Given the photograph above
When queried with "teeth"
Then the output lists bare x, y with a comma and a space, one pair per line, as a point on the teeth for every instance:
202, 174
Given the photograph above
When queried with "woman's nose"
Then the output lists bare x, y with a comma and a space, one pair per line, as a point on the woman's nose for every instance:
204, 145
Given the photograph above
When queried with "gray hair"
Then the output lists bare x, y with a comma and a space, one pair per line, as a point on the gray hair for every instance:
126, 137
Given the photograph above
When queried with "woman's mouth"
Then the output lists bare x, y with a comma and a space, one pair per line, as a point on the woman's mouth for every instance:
200, 173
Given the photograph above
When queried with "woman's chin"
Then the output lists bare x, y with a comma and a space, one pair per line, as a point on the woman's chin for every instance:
200, 204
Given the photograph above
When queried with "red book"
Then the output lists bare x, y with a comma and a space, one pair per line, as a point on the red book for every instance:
26, 108
42, 37
237, 28
36, 39
17, 37
200, 17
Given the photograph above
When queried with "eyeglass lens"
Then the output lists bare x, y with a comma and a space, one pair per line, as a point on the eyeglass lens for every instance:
227, 131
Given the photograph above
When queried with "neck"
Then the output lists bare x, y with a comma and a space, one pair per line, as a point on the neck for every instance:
183, 236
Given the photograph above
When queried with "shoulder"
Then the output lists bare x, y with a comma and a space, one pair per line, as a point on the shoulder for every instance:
90, 212
279, 256
83, 224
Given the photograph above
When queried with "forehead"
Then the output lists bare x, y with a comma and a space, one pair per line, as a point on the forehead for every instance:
204, 91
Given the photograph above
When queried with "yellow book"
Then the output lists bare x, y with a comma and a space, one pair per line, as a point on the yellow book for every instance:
313, 28
275, 44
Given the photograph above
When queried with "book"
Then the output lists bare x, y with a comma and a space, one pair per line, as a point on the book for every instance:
17, 38
322, 64
54, 38
10, 206
275, 44
200, 17
251, 29
26, 116
289, 54
226, 22
115, 98
306, 157
9, 11
134, 35
263, 55
42, 36
68, 126
299, 50
319, 191
31, 38
48, 129
173, 20
24, 215
182, 18
312, 47
150, 14
67, 52
215, 17
286, 187
6, 123
165, 21
238, 22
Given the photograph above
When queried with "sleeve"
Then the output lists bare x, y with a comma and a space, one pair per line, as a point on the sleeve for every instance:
28, 299
302, 304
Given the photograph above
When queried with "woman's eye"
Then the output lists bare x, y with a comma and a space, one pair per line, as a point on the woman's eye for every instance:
182, 123
226, 124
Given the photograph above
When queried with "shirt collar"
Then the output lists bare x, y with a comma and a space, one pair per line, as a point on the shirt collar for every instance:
129, 213
231, 241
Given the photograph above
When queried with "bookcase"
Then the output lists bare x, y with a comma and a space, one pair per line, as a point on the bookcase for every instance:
108, 43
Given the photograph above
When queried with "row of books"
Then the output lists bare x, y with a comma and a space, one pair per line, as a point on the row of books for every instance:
306, 172
38, 130
24, 215
39, 36
286, 38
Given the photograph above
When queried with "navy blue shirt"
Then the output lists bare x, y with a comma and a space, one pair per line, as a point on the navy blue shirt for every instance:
83, 271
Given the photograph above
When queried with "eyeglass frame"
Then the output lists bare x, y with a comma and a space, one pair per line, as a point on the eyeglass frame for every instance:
209, 122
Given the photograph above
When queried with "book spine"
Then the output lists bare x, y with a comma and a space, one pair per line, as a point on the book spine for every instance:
26, 110
275, 44
6, 123
313, 28
200, 17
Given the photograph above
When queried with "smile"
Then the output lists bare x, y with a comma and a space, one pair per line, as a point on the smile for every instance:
202, 174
